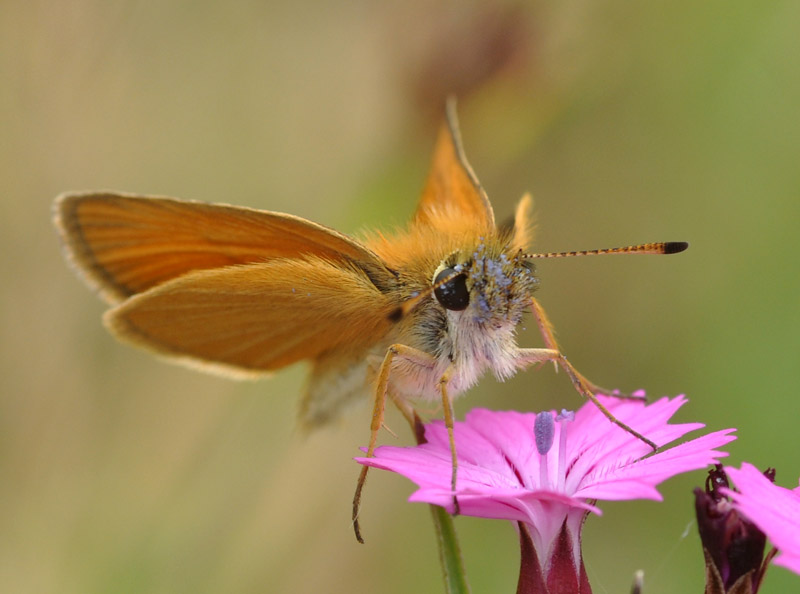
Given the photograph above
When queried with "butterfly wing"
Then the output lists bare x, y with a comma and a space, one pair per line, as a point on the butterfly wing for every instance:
453, 196
257, 317
125, 244
523, 228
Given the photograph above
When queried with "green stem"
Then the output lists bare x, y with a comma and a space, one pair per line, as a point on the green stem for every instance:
455, 578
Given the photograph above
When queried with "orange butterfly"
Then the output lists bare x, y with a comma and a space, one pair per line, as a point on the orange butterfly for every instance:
418, 315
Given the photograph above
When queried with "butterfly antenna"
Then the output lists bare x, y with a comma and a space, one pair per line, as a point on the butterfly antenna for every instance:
664, 247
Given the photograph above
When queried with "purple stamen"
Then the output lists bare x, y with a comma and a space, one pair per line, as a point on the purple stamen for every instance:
544, 428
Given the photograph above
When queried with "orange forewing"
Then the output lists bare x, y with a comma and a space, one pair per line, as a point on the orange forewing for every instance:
257, 317
452, 191
239, 290
126, 244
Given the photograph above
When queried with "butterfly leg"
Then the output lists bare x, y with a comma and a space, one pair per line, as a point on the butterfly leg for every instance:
548, 335
419, 430
449, 422
393, 353
581, 384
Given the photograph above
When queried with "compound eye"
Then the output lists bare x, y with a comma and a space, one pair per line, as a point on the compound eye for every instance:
453, 294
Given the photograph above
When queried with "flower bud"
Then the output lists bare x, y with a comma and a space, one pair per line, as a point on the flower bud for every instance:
732, 544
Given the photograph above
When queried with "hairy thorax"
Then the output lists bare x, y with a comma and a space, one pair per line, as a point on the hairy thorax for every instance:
462, 345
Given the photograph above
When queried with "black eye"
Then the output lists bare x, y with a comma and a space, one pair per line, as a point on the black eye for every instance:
453, 294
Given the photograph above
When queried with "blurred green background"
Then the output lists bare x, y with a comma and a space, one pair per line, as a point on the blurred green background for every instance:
628, 121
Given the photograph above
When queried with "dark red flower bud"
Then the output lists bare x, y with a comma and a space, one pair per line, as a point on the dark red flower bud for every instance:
733, 545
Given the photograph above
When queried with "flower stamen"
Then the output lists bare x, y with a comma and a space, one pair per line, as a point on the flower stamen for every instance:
566, 416
544, 429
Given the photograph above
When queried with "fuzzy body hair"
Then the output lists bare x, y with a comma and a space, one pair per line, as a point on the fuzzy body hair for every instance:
480, 338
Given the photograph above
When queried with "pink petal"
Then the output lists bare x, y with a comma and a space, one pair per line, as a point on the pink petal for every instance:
775, 510
611, 446
639, 478
789, 561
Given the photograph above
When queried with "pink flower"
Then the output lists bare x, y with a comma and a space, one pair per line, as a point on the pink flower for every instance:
549, 487
775, 510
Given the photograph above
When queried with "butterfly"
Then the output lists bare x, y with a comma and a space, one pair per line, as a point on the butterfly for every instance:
420, 314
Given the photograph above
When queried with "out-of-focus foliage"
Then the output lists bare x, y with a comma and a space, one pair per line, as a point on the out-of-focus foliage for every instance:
629, 122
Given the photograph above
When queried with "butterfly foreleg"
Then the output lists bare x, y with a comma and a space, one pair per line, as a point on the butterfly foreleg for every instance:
581, 384
394, 353
527, 357
548, 335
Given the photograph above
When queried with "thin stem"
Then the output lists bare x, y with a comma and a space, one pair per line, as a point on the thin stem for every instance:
455, 578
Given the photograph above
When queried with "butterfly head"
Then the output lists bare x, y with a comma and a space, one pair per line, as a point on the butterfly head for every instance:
487, 284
